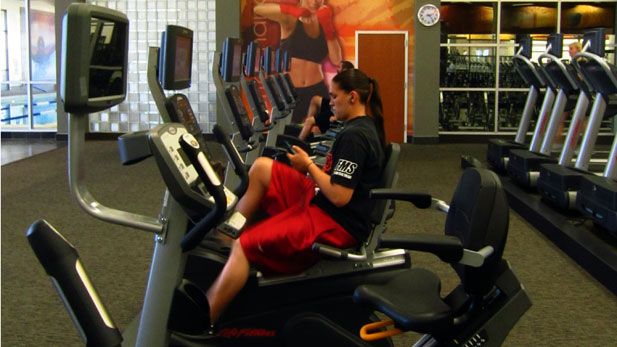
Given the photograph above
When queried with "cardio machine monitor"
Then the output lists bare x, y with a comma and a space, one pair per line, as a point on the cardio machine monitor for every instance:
556, 44
524, 43
96, 79
596, 38
253, 59
176, 58
286, 61
268, 61
231, 64
278, 61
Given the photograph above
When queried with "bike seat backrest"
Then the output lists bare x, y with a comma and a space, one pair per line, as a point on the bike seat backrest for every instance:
479, 217
393, 152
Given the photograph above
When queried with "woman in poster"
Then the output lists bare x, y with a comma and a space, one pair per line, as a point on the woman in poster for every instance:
308, 34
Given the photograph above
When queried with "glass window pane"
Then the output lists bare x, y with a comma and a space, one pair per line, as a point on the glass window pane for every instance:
468, 18
15, 50
508, 75
14, 107
472, 67
511, 105
466, 111
42, 40
578, 17
44, 106
4, 59
528, 18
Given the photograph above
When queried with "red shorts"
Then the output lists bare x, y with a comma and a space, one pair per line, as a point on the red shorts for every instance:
282, 242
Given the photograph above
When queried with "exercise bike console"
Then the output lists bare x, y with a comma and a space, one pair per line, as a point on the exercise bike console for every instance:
180, 111
192, 181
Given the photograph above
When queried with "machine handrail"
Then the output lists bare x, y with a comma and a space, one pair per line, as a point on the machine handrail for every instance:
562, 67
78, 124
525, 61
234, 158
600, 61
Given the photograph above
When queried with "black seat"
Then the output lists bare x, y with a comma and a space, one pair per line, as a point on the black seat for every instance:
476, 224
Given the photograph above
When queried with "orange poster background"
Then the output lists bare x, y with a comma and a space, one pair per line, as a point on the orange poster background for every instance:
349, 16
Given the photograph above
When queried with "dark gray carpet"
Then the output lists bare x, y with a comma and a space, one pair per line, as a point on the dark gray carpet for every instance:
570, 308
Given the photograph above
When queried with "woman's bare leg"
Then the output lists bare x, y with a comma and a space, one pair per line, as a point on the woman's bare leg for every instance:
260, 175
230, 281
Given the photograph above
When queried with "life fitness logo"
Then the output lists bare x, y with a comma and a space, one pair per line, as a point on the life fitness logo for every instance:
236, 333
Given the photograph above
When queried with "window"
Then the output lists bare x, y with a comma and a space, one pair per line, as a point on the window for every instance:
480, 91
28, 71
28, 66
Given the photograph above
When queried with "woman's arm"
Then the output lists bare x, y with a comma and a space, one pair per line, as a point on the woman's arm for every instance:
307, 128
334, 52
338, 195
281, 13
324, 15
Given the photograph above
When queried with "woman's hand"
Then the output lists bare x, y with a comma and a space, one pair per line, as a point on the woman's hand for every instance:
324, 15
294, 11
300, 160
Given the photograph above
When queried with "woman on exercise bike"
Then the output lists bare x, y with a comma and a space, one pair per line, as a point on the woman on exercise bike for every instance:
335, 215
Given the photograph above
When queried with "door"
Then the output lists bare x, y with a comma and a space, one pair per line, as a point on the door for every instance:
383, 56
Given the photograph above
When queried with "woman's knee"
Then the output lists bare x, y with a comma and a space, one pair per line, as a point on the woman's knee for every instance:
261, 170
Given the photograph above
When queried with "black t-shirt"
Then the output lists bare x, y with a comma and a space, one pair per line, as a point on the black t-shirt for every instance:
356, 161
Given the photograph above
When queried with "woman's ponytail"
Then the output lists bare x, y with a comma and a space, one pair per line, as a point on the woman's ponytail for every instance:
375, 110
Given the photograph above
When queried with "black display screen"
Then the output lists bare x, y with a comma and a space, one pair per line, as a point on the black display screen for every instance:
257, 61
107, 47
237, 61
183, 58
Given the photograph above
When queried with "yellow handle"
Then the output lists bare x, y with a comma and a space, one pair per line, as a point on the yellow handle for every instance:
367, 335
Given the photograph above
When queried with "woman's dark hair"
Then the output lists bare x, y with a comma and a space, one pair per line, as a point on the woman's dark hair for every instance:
346, 65
368, 90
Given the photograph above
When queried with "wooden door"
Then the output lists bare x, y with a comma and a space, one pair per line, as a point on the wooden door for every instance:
383, 56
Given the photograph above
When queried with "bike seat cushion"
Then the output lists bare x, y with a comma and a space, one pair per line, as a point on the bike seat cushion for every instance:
411, 299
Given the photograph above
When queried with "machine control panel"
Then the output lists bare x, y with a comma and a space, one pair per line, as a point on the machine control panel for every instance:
240, 115
171, 142
180, 111
262, 111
